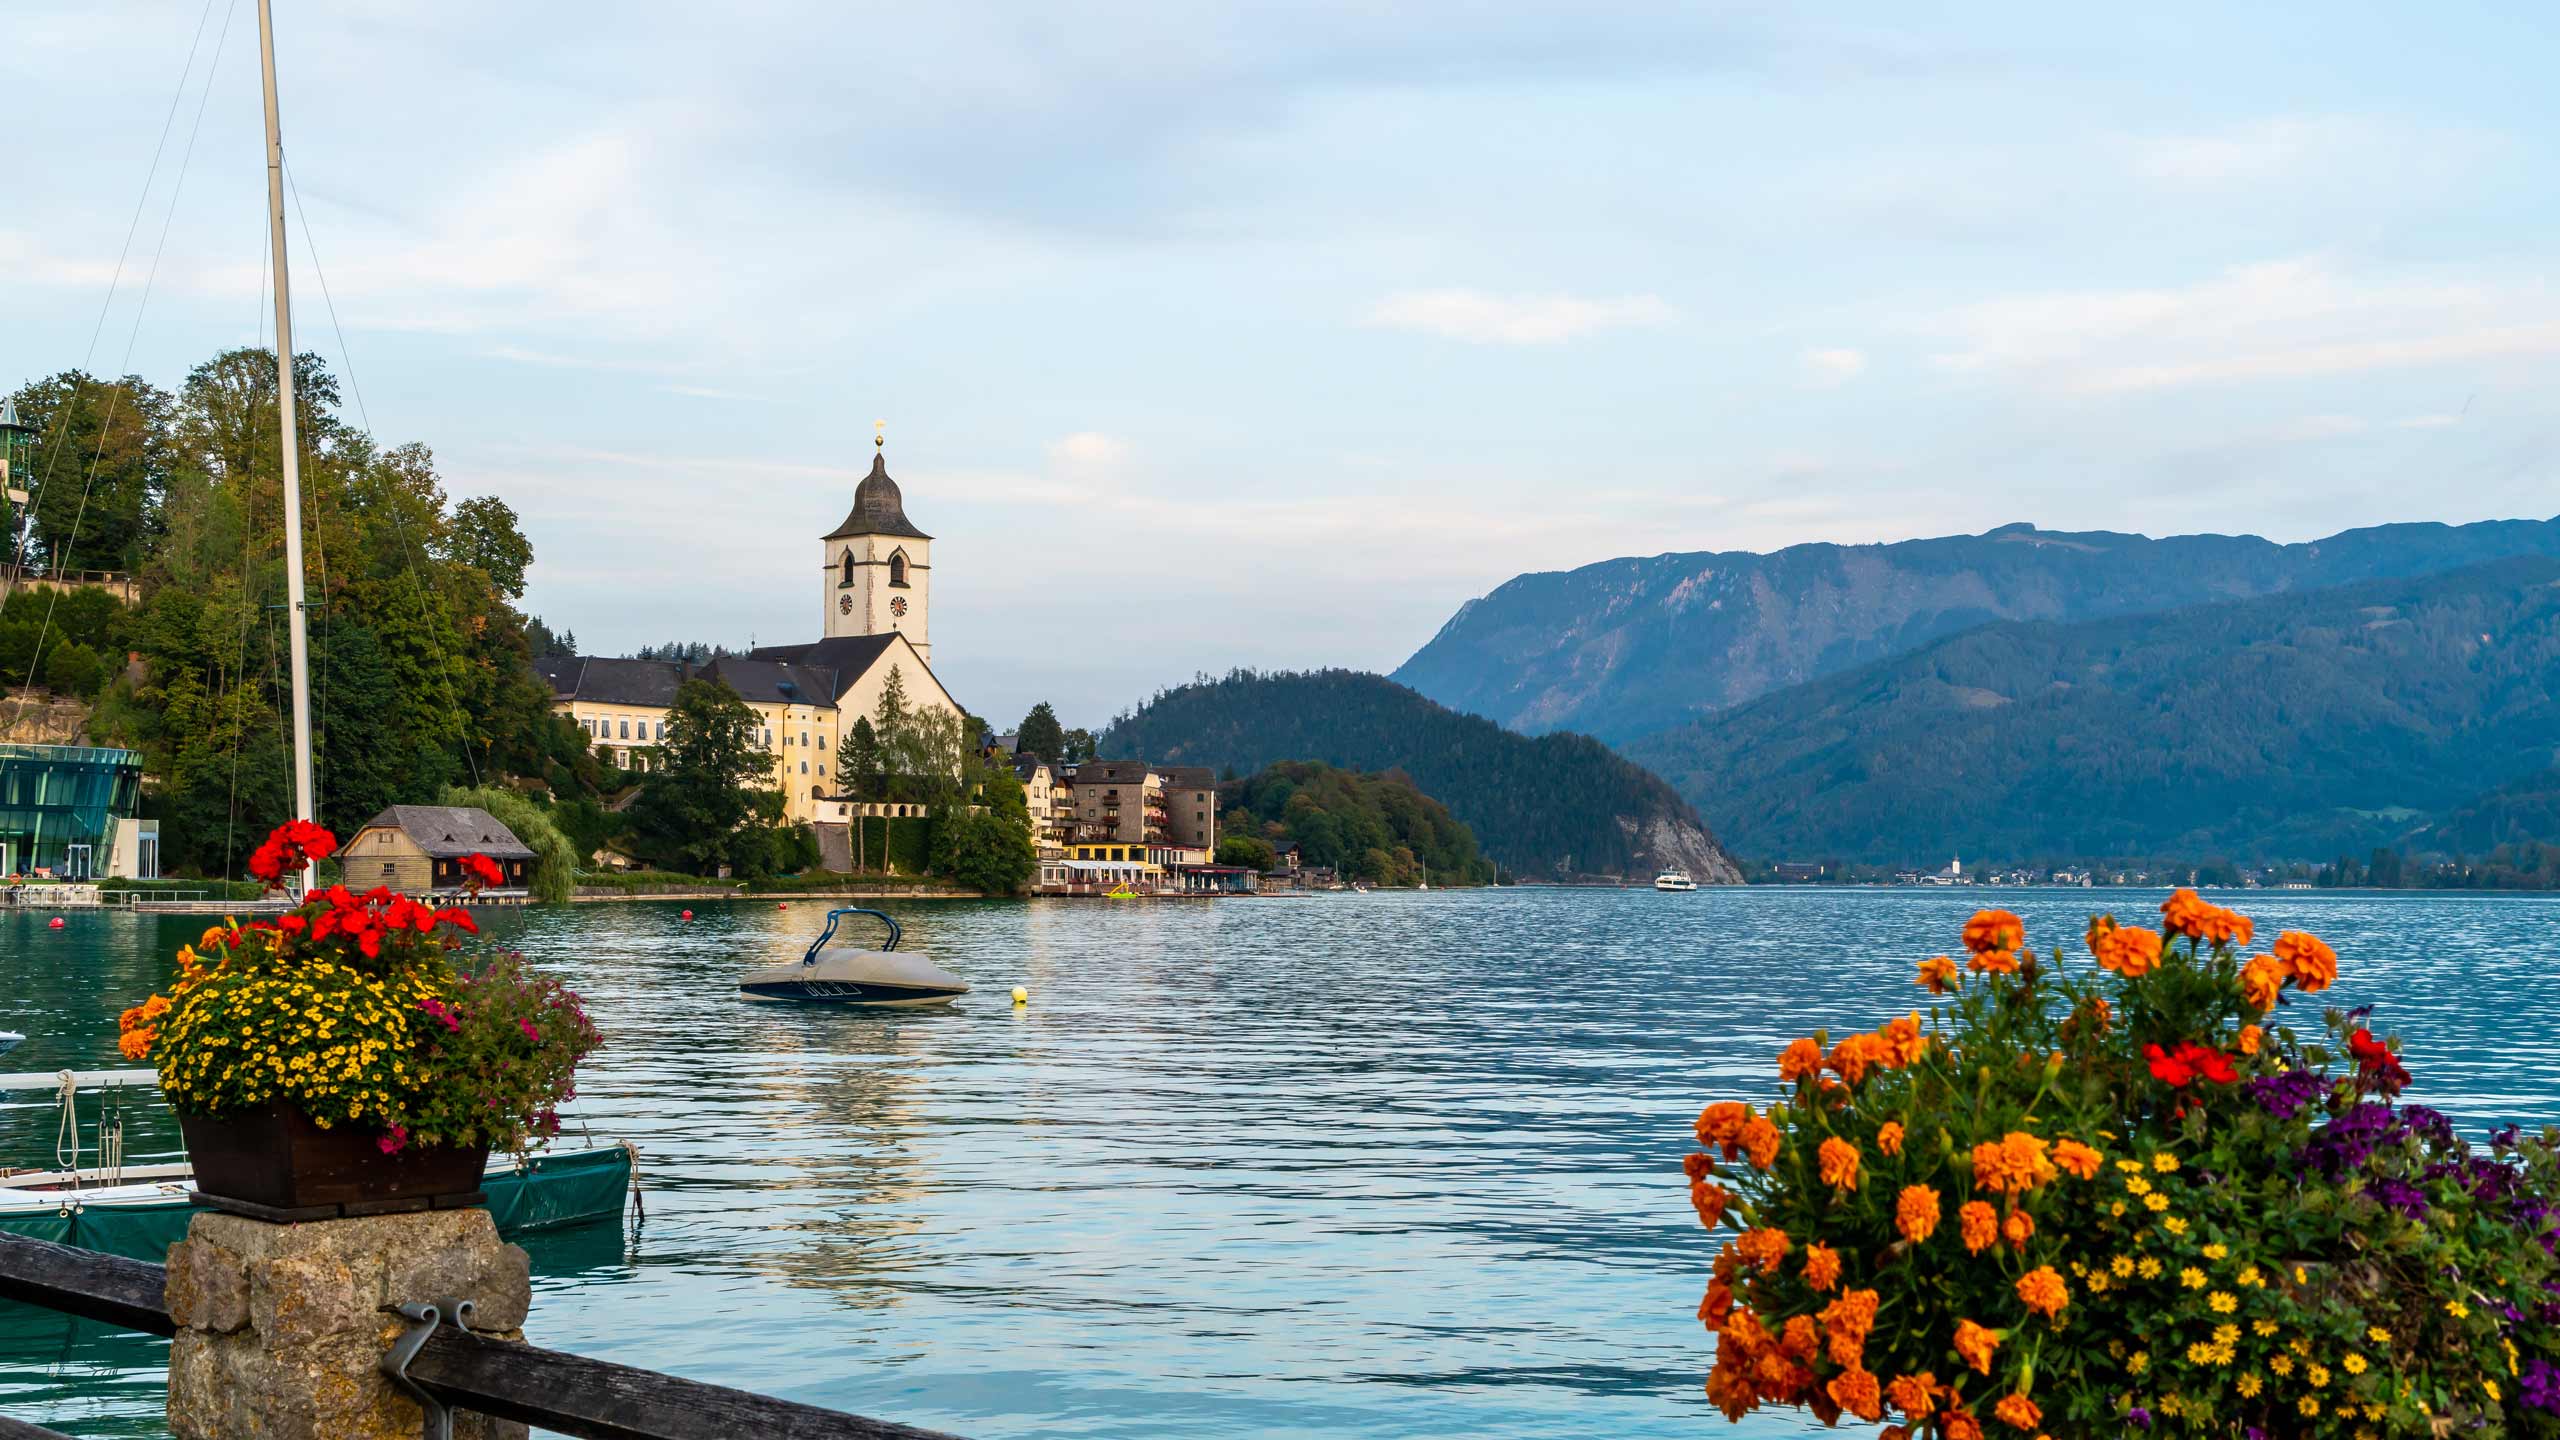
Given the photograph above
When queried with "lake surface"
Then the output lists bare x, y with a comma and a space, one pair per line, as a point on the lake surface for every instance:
1367, 1166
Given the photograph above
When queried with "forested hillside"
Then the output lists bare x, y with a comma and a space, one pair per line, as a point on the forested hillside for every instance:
1557, 803
2294, 726
420, 671
1627, 647
1378, 828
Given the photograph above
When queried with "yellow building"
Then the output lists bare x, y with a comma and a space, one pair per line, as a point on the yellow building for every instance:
876, 622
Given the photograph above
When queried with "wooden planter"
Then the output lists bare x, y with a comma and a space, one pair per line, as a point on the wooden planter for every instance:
276, 1164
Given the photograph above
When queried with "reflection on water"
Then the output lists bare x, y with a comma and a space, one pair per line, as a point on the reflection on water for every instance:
1384, 1165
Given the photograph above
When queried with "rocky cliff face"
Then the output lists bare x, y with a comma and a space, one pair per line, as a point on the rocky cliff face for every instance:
1668, 842
1629, 647
35, 717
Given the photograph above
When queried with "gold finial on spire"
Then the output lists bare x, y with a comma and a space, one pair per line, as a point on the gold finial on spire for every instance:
879, 434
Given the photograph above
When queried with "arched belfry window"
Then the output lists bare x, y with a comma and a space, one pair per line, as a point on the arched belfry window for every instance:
898, 569
848, 567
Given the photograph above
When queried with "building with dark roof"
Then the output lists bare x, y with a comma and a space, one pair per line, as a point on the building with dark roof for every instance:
419, 849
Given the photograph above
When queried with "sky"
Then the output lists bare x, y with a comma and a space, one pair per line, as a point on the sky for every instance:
1212, 335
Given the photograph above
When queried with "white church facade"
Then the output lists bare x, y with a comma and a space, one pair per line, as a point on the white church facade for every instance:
875, 595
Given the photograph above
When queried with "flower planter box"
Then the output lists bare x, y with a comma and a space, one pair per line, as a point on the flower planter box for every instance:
276, 1164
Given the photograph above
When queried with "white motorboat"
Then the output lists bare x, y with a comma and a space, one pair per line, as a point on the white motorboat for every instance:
844, 975
1674, 878
9, 1040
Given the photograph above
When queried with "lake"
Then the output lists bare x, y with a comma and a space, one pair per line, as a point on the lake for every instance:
1370, 1166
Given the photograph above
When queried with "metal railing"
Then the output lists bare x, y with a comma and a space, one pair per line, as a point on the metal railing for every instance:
558, 1391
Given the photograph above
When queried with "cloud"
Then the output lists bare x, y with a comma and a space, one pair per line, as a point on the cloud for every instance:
2270, 149
1087, 450
1488, 319
1834, 367
2280, 320
2427, 422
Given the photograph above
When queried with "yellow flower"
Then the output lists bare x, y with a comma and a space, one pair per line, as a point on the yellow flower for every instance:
2457, 1309
2281, 1364
2489, 1388
2173, 1224
2377, 1335
2223, 1302
2122, 1265
2155, 1202
2136, 1185
2226, 1334
2249, 1276
2250, 1385
2137, 1362
2354, 1362
2307, 1406
2117, 1209
2217, 1251
2150, 1267
2264, 1327
2164, 1162
2191, 1277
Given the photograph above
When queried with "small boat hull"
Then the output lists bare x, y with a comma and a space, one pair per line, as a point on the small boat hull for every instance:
871, 979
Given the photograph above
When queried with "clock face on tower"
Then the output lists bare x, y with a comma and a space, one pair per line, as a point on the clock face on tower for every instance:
897, 604
844, 604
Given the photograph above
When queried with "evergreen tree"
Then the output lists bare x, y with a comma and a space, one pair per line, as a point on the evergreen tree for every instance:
858, 768
1041, 734
710, 786
986, 847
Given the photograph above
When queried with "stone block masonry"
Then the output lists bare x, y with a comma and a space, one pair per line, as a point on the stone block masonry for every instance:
282, 1328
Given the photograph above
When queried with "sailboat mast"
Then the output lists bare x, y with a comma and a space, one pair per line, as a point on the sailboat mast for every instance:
286, 406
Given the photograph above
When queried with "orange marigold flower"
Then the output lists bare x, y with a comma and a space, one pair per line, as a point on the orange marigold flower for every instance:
2043, 1291
2251, 1037
2099, 925
134, 1044
2020, 1228
1995, 962
155, 1007
1847, 1320
1799, 1059
1721, 1125
1852, 1056
1940, 974
1916, 1396
1975, 1344
2260, 982
1961, 1426
2183, 913
2311, 964
2019, 1411
2015, 1164
1802, 1341
1903, 1040
1994, 930
2077, 1159
1821, 1268
2130, 951
1857, 1392
1981, 1225
1839, 1161
1761, 1246
1711, 1200
1889, 1138
1915, 1213
1760, 1142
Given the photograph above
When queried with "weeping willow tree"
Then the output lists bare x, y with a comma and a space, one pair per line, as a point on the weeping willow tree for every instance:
555, 860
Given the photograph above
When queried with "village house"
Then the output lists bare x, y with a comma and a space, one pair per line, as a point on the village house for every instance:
418, 850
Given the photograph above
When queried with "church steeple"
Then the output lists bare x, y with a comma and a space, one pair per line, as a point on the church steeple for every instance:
878, 566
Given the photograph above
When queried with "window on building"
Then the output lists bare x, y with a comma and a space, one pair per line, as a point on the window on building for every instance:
822, 740
804, 765
626, 725
897, 569
768, 735
848, 567
662, 729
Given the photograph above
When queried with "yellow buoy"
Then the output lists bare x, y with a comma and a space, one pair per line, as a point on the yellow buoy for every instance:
1021, 996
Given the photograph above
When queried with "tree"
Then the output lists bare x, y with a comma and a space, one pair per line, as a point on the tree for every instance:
1251, 851
485, 537
102, 457
710, 784
1041, 734
986, 847
859, 767
553, 878
543, 643
1077, 747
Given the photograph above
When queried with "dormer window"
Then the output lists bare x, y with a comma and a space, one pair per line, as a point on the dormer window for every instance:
898, 569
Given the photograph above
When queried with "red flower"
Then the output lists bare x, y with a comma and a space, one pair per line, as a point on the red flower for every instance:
479, 872
2179, 1068
2376, 1062
458, 918
288, 849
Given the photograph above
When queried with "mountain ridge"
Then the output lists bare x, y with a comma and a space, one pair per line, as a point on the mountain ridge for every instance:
1629, 646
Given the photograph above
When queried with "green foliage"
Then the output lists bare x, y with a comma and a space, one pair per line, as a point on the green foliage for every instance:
987, 846
707, 806
860, 769
887, 845
1041, 734
553, 877
73, 670
102, 458
2295, 726
1250, 851
1556, 801
1378, 828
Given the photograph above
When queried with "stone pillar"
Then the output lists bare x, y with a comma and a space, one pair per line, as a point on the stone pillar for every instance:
282, 1328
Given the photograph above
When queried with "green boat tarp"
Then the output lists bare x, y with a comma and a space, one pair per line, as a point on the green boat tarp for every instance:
570, 1188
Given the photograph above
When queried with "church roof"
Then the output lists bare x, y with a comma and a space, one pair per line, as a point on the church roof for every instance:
878, 509
776, 682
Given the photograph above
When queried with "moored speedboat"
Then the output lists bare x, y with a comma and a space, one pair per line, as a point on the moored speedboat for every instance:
9, 1040
843, 975
1674, 878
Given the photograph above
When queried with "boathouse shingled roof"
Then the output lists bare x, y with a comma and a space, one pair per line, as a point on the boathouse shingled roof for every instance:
878, 508
448, 832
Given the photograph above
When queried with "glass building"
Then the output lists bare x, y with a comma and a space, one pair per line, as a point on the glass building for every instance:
60, 806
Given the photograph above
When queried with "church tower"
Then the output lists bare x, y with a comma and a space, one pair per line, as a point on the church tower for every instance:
879, 570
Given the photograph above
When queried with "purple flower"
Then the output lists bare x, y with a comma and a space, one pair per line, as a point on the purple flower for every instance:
2541, 1384
2285, 1095
2402, 1196
2139, 1418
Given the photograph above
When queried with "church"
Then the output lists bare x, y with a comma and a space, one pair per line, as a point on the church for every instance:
875, 594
